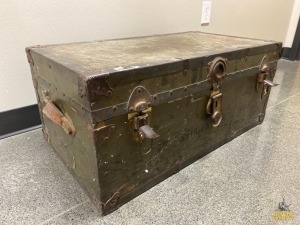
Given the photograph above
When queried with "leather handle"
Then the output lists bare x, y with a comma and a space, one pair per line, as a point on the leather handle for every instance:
57, 117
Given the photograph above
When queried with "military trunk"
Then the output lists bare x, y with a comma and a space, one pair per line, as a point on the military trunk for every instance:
125, 114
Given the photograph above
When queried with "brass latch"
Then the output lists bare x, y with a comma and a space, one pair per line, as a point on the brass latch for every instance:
216, 73
139, 112
264, 78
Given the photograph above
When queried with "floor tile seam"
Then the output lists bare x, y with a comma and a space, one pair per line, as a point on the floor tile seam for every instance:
279, 103
63, 212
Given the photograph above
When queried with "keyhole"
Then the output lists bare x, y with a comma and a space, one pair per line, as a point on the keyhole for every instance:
216, 104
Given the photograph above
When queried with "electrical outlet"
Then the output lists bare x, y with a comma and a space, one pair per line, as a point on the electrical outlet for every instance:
206, 9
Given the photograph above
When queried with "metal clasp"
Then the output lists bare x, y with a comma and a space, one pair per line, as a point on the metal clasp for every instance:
216, 74
264, 78
214, 107
139, 112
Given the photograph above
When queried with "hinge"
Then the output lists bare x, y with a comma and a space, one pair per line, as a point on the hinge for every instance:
216, 74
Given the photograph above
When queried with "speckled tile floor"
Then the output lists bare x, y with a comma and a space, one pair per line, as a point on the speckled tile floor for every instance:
240, 183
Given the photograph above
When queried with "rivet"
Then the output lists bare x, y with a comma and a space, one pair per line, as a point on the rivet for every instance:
139, 90
246, 58
198, 84
106, 138
149, 104
109, 93
131, 109
171, 92
185, 72
185, 88
154, 97
112, 128
141, 136
114, 108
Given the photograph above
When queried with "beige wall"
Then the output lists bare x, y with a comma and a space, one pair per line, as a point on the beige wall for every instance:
31, 22
263, 19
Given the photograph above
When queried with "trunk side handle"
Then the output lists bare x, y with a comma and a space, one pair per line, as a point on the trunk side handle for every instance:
56, 116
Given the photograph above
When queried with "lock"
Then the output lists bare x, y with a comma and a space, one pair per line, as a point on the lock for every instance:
263, 80
216, 74
139, 113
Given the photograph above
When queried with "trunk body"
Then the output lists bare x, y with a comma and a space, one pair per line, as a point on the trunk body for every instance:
125, 114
